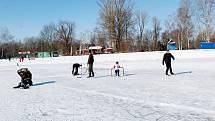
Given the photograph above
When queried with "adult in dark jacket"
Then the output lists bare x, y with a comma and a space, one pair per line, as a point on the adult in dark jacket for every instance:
167, 59
75, 68
90, 64
26, 78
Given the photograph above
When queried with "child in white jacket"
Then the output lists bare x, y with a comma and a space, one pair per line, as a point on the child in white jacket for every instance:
116, 68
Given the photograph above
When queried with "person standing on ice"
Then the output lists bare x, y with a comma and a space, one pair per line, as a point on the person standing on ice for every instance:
116, 67
90, 64
167, 59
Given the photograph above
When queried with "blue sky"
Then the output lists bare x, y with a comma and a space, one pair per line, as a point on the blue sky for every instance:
25, 18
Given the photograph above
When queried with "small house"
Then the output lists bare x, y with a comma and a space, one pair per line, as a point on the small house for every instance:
207, 45
171, 45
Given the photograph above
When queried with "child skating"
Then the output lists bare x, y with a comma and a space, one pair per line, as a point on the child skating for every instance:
116, 67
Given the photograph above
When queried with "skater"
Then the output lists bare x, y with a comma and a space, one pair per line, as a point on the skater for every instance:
116, 67
75, 68
26, 78
90, 64
9, 57
21, 59
167, 59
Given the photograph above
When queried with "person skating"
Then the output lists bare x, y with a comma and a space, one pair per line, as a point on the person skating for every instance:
21, 59
90, 64
116, 67
26, 78
75, 68
167, 59
9, 57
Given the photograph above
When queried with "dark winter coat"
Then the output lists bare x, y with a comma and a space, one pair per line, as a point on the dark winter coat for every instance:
76, 65
90, 59
75, 68
26, 76
167, 58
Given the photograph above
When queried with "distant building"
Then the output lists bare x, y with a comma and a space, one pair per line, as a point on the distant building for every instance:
96, 49
207, 45
26, 54
83, 52
124, 46
46, 54
171, 45
108, 50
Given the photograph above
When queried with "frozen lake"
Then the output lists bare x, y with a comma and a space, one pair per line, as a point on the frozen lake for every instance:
144, 93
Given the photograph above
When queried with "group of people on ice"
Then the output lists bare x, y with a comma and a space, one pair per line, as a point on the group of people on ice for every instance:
90, 62
166, 60
26, 76
90, 66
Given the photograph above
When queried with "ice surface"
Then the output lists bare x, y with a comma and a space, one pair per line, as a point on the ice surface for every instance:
145, 93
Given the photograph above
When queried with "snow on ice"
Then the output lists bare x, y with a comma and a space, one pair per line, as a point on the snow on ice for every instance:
144, 93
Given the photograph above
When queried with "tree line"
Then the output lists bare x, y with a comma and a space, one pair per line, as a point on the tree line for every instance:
124, 28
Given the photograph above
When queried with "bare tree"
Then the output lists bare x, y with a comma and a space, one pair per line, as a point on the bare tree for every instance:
107, 14
155, 33
100, 37
171, 26
148, 38
48, 34
93, 39
5, 35
5, 38
201, 36
170, 23
184, 24
141, 18
165, 37
205, 14
65, 33
31, 44
116, 19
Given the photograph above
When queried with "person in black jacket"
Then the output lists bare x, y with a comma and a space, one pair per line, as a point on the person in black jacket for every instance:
75, 68
167, 59
26, 78
90, 64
